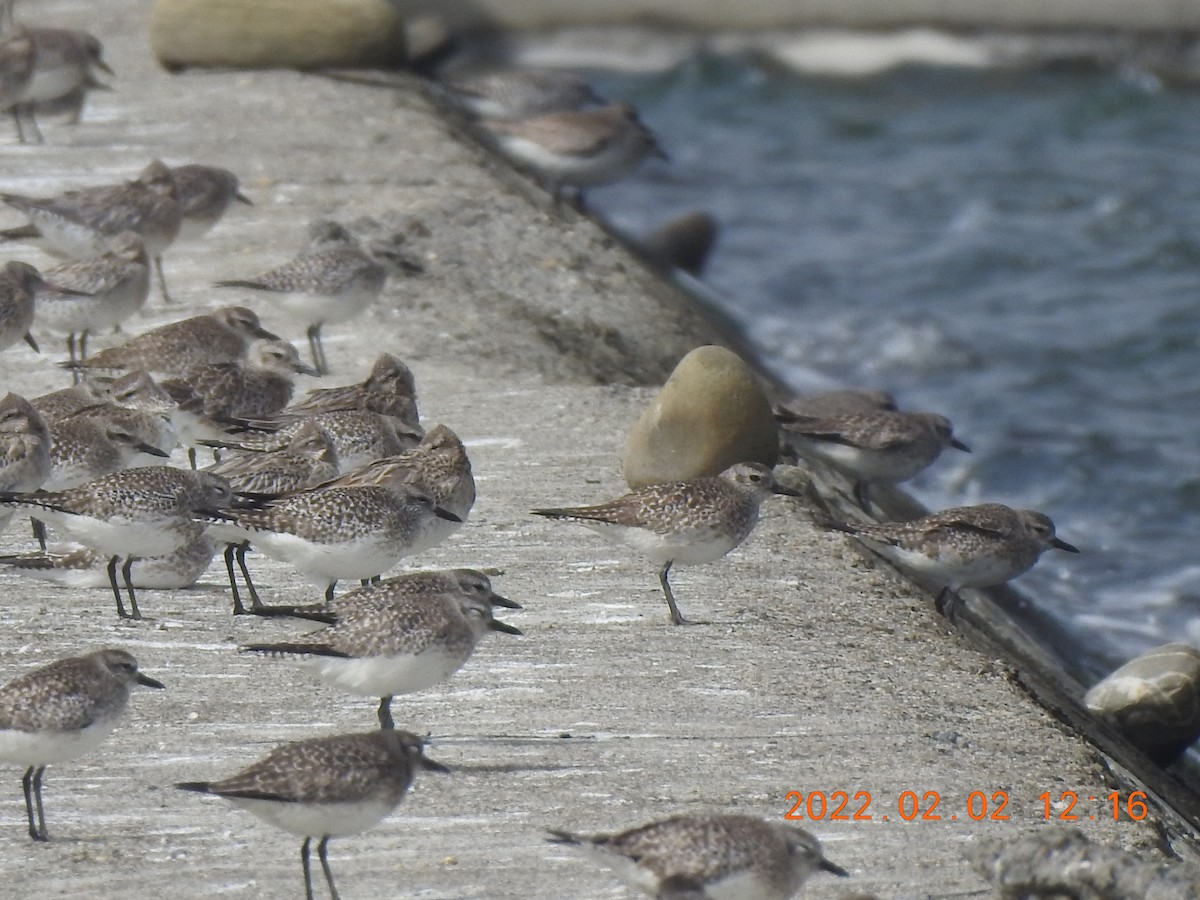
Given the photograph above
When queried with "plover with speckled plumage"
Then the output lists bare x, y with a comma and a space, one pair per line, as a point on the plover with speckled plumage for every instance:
137, 512
25, 461
877, 447
221, 336
61, 712
102, 292
82, 223
512, 94
86, 447
326, 787
580, 148
205, 193
76, 566
43, 65
685, 522
330, 534
388, 638
330, 284
706, 857
18, 282
211, 397
963, 547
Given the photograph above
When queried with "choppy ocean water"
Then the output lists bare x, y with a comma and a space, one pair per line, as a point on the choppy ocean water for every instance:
1017, 249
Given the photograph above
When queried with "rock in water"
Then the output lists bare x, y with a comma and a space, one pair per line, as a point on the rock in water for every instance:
711, 413
296, 34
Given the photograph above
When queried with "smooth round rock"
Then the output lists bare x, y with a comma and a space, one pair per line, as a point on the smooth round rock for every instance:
1153, 700
711, 413
292, 34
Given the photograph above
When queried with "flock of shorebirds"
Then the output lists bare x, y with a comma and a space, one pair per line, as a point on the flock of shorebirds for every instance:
345, 482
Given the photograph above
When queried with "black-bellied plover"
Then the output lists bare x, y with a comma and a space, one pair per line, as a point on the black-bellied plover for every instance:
18, 283
389, 389
136, 512
685, 522
77, 566
221, 336
103, 439
213, 396
81, 223
439, 464
704, 857
879, 447
60, 712
511, 94
358, 436
25, 441
326, 787
330, 284
42, 65
577, 149
205, 193
388, 639
962, 547
134, 390
104, 291
330, 534
307, 460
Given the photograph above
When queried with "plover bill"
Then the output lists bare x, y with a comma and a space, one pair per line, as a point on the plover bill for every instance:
330, 534
388, 639
512, 94
963, 547
879, 447
326, 787
221, 336
61, 712
43, 65
330, 284
684, 522
137, 512
101, 292
205, 193
81, 223
704, 857
77, 566
578, 149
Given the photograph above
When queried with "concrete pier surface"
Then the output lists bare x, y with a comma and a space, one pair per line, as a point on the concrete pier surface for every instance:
535, 338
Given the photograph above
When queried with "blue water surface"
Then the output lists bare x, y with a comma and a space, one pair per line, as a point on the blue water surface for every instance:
1019, 250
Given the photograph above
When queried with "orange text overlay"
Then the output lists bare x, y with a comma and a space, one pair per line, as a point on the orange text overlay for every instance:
976, 806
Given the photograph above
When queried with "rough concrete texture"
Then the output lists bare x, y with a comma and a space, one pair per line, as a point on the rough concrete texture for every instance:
817, 672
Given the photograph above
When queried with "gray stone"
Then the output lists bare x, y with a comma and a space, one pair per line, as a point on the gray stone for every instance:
262, 34
1154, 700
711, 413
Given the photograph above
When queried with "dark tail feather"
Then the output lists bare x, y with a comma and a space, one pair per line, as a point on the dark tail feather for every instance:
199, 787
293, 649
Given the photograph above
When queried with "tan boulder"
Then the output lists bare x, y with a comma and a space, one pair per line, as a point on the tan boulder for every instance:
711, 413
295, 34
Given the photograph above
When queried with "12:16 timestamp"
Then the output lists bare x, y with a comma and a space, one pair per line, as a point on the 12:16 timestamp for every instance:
1134, 807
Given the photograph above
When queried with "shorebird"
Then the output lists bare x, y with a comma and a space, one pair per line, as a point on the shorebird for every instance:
389, 389
326, 787
329, 284
205, 193
704, 857
25, 461
82, 223
577, 149
963, 547
877, 447
389, 638
61, 712
43, 65
18, 282
333, 533
221, 336
685, 522
513, 94
77, 566
101, 292
213, 396
98, 441
137, 512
